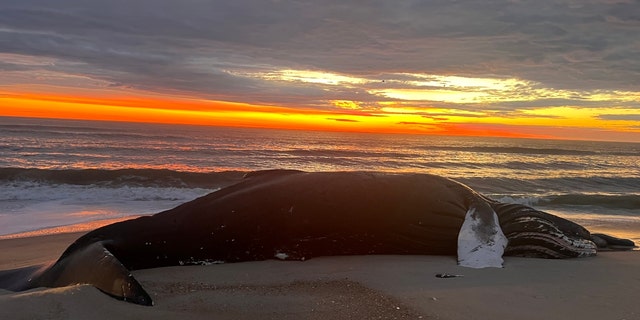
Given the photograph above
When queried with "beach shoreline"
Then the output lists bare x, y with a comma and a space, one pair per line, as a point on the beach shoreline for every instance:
390, 287
79, 228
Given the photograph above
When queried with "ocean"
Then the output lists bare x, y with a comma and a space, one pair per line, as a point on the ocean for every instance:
59, 174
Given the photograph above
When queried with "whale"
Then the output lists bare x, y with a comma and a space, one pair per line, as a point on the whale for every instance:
297, 215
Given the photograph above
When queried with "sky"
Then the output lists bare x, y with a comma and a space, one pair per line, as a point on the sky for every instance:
539, 69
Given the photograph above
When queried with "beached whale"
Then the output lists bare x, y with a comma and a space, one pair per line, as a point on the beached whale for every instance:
287, 214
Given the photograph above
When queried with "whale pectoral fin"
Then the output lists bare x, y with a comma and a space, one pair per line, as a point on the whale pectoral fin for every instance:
97, 266
481, 242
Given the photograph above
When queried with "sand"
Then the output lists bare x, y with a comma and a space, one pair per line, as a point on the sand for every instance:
351, 287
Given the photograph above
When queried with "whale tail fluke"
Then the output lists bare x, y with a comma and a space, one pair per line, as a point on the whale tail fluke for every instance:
94, 265
535, 233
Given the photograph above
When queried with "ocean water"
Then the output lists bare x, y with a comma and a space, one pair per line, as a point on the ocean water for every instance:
60, 172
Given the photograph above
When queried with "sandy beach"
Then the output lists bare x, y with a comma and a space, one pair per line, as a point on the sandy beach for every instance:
351, 287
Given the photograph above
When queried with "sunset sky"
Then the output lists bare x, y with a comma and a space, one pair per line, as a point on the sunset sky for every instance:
544, 69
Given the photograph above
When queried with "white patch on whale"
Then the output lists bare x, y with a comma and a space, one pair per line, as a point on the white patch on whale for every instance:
281, 255
481, 242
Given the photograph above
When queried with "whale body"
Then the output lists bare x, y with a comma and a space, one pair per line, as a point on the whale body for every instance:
295, 215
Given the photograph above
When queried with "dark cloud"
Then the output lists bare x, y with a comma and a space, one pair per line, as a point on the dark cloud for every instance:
578, 102
205, 47
624, 117
342, 120
12, 67
413, 123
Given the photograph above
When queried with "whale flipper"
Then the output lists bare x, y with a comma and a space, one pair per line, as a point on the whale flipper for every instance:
97, 266
607, 242
481, 242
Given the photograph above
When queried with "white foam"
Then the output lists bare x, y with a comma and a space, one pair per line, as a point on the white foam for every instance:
527, 201
28, 206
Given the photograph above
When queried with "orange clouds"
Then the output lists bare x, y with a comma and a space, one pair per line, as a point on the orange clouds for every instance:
170, 110
388, 118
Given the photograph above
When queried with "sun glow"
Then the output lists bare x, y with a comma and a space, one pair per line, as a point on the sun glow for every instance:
390, 102
439, 95
182, 111
308, 76
346, 104
428, 80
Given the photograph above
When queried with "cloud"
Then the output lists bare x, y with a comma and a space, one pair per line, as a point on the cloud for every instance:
414, 123
343, 120
622, 117
11, 67
223, 49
